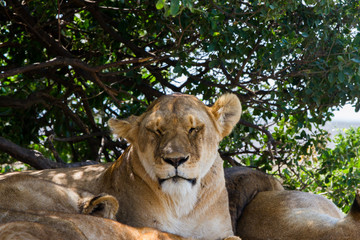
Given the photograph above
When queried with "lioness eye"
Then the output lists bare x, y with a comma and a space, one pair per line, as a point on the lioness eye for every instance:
191, 130
159, 132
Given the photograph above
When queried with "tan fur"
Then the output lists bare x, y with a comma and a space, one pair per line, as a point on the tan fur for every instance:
242, 184
32, 231
189, 199
62, 226
298, 216
28, 193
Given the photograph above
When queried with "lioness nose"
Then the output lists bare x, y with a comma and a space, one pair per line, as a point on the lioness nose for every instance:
176, 161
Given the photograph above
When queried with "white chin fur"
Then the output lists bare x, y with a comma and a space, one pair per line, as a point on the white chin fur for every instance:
178, 188
183, 195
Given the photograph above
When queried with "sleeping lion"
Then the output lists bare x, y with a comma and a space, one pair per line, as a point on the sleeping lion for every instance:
27, 193
66, 226
171, 177
283, 215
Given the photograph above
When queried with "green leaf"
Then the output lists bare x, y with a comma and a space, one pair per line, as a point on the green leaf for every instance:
213, 63
174, 7
177, 69
340, 58
341, 76
160, 4
355, 60
212, 46
189, 5
331, 77
304, 34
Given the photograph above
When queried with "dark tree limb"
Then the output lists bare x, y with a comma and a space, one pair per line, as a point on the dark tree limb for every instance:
53, 149
81, 138
227, 157
34, 158
66, 61
271, 140
106, 89
35, 98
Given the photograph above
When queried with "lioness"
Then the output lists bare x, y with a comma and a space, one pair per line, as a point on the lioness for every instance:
171, 177
29, 193
63, 226
297, 215
242, 184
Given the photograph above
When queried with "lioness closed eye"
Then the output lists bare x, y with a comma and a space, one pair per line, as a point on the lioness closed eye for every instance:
171, 177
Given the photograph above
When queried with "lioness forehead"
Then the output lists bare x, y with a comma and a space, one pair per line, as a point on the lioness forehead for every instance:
177, 108
177, 104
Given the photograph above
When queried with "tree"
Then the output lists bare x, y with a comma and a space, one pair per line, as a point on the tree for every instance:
68, 66
334, 171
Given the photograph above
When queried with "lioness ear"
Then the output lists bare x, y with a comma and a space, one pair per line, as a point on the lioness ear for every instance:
124, 128
103, 205
227, 112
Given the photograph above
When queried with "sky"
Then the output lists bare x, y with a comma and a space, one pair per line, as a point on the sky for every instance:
346, 114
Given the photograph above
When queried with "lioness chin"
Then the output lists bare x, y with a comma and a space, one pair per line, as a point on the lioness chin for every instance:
171, 177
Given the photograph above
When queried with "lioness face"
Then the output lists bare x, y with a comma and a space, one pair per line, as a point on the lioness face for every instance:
178, 141
177, 138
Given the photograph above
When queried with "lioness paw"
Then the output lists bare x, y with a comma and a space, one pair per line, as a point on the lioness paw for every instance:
102, 205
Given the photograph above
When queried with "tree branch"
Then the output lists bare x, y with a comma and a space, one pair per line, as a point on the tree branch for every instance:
82, 137
50, 43
65, 61
241, 71
35, 98
94, 10
53, 149
226, 156
271, 139
34, 158
106, 89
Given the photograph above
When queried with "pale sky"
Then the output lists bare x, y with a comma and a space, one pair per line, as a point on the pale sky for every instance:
347, 114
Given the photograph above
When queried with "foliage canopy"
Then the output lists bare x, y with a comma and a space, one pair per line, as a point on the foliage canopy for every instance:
68, 66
